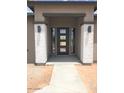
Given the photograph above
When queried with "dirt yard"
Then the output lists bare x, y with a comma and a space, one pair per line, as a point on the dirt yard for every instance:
38, 77
88, 75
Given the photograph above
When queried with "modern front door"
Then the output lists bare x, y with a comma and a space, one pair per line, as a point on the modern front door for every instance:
62, 41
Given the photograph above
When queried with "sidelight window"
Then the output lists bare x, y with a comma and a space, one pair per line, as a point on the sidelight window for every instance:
72, 40
53, 40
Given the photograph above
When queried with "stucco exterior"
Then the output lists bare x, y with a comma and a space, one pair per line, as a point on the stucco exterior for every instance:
95, 40
30, 40
88, 10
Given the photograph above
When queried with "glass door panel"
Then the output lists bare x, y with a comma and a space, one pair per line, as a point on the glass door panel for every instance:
63, 43
63, 37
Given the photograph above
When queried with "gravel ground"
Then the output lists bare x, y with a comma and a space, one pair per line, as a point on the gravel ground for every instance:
38, 77
88, 74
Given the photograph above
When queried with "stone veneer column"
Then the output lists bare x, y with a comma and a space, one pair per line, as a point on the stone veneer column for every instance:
40, 31
87, 31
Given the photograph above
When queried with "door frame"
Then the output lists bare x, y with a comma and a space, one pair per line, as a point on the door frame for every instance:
54, 29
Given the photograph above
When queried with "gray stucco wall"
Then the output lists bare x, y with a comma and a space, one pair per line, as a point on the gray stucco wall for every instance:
95, 40
77, 41
48, 41
62, 21
30, 40
67, 8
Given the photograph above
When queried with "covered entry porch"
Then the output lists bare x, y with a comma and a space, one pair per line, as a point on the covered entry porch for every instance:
63, 34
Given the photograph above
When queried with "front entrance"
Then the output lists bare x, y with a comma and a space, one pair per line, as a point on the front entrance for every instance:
62, 41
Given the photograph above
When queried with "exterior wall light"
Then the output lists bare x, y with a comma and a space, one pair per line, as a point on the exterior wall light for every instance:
89, 29
38, 29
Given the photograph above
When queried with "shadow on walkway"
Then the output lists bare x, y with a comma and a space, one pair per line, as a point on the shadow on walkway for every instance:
63, 59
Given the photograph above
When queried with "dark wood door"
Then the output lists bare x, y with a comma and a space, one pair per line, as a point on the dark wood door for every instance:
62, 41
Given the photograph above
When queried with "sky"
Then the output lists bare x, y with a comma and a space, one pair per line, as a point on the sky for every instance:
62, 0
29, 10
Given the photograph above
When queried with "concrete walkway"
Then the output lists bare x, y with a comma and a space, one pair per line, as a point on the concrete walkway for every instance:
65, 79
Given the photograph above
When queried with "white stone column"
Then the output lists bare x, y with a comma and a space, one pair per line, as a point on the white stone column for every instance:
40, 31
87, 31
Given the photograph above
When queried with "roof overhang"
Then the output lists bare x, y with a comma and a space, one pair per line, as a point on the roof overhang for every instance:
64, 14
32, 2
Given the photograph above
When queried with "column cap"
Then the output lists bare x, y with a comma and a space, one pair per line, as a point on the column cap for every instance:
90, 22
40, 22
